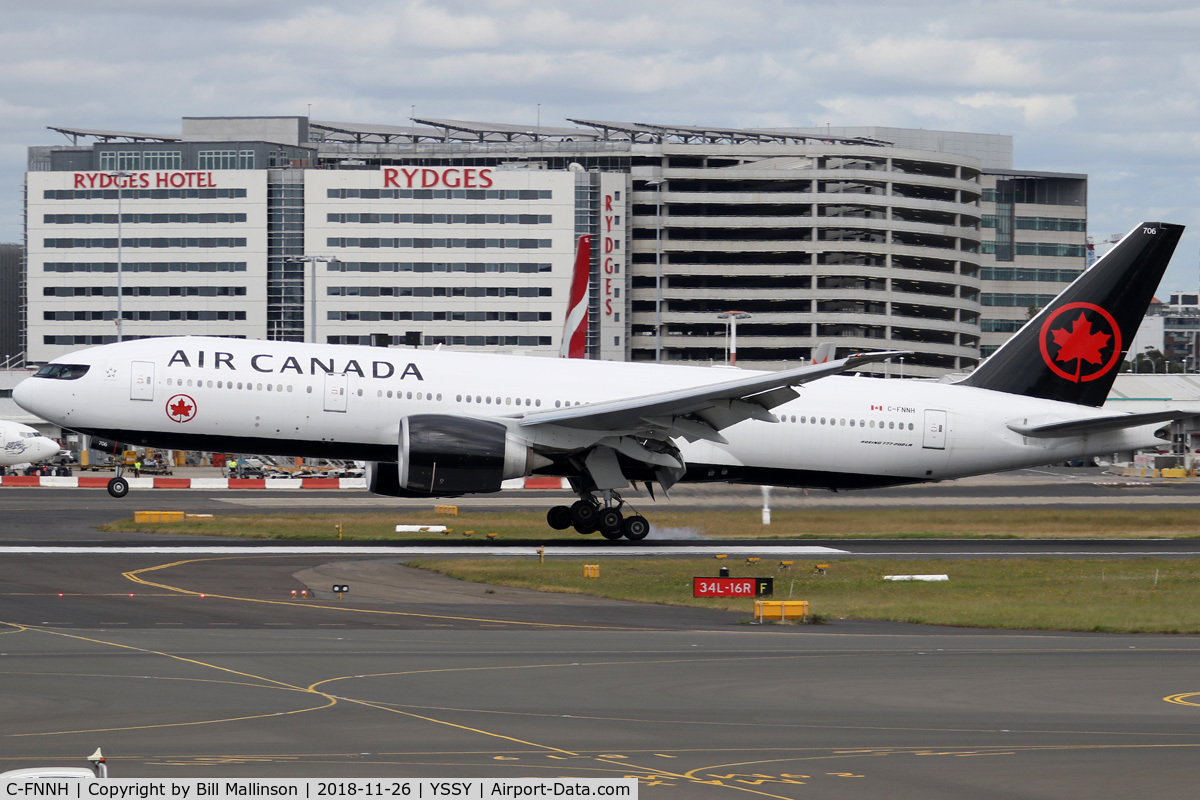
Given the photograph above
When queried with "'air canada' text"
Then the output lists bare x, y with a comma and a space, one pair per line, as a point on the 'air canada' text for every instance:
272, 363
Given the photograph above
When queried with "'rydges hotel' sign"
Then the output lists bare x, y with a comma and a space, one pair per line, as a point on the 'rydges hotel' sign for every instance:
145, 180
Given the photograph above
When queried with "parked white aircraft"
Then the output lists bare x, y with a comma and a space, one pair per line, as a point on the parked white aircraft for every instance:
441, 423
20, 444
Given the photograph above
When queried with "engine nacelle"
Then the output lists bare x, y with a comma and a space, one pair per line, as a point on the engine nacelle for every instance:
441, 455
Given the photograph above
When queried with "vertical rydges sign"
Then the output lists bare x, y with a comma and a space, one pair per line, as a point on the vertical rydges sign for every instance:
613, 263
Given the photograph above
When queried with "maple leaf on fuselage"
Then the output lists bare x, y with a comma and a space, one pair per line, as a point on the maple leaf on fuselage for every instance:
1079, 342
180, 409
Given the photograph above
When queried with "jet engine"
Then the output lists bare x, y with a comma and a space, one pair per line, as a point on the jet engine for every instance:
440, 455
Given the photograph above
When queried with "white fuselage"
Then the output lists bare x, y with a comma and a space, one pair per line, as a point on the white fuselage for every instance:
342, 401
21, 444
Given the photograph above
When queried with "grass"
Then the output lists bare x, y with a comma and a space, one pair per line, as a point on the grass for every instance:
1142, 595
1134, 596
1010, 523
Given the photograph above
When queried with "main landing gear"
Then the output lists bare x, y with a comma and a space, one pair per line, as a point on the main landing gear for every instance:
587, 515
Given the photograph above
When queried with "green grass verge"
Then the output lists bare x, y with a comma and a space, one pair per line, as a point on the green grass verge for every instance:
1135, 596
866, 523
1035, 594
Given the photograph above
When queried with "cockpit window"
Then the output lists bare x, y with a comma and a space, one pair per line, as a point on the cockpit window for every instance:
63, 372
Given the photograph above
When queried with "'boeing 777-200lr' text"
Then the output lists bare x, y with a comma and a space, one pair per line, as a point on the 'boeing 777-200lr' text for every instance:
443, 424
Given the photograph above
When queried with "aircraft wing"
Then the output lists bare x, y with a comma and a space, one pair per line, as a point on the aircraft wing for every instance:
1081, 427
699, 412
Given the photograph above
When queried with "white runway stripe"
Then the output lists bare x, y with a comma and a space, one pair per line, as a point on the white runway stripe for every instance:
387, 550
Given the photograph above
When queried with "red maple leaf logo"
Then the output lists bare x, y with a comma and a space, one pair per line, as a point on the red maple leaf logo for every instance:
1080, 343
181, 408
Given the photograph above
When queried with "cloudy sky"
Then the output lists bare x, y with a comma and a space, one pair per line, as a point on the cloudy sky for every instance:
1110, 89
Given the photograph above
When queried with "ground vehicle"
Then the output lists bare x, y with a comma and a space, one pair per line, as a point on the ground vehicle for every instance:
99, 769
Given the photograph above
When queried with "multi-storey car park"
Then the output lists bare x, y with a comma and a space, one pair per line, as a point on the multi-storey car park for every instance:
864, 238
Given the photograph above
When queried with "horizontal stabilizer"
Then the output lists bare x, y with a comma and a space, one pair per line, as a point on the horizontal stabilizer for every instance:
1081, 427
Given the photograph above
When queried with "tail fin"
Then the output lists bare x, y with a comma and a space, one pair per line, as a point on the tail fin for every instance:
1072, 350
823, 353
574, 338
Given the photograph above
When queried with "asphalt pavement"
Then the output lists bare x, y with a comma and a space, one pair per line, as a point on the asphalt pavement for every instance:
186, 663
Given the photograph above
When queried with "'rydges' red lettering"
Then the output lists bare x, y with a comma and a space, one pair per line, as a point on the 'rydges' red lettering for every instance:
443, 177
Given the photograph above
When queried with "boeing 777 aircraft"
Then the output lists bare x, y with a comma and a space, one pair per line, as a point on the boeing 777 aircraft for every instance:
20, 444
442, 423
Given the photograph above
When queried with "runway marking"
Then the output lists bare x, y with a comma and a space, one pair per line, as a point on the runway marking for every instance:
446, 723
433, 550
1184, 699
277, 685
135, 576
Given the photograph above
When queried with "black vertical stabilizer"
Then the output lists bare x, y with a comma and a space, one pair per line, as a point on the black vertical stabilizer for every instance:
1072, 350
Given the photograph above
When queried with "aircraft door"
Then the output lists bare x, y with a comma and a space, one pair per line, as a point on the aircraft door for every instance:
141, 380
336, 391
935, 430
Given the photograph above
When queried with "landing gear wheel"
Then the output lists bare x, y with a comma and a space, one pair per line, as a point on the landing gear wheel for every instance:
583, 513
118, 487
559, 518
636, 528
585, 527
609, 521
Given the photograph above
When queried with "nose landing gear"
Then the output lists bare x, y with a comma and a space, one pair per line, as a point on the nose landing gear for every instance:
118, 487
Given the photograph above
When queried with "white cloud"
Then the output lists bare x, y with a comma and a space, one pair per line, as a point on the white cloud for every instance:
1037, 111
1100, 87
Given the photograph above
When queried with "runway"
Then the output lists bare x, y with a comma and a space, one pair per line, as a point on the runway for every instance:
209, 669
191, 662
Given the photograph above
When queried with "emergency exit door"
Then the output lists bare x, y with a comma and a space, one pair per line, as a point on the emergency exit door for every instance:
935, 430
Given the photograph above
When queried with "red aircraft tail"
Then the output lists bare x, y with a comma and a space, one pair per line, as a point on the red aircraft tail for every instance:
574, 338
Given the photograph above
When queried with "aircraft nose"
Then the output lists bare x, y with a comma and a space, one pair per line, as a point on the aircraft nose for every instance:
44, 448
23, 394
39, 397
